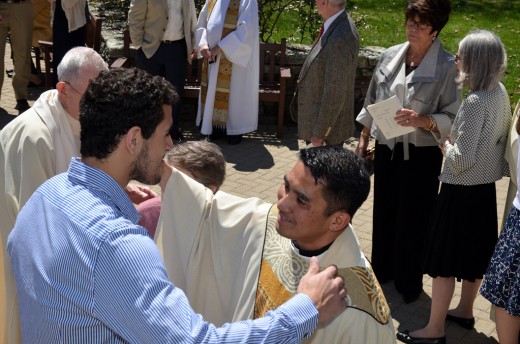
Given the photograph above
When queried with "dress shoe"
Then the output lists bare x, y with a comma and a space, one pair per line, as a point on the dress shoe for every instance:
467, 323
234, 139
217, 133
406, 338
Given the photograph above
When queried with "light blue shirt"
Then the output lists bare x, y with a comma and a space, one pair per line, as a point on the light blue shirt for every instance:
87, 273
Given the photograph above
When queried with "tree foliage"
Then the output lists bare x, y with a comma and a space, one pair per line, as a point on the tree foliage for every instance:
270, 12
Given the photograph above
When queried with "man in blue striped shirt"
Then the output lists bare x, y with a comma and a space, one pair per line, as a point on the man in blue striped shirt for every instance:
87, 273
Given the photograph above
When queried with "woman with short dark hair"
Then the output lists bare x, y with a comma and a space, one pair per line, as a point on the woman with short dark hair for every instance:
406, 168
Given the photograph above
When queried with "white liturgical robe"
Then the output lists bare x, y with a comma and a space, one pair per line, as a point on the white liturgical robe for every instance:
241, 47
213, 248
34, 147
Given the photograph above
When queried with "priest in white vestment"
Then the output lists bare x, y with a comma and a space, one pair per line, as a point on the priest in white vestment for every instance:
237, 258
34, 147
227, 37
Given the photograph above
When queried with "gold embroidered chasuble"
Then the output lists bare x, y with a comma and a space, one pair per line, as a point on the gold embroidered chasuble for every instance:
282, 268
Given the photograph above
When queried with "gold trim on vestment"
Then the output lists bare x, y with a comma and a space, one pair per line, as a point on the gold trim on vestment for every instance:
223, 85
282, 269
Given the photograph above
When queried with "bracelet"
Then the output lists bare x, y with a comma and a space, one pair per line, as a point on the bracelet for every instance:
432, 123
365, 135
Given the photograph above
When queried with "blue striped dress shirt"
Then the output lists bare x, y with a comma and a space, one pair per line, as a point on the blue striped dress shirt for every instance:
87, 273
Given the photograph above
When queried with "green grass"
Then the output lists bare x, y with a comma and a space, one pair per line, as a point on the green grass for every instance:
381, 23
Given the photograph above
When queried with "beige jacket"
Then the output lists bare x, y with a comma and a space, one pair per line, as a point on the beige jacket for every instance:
147, 21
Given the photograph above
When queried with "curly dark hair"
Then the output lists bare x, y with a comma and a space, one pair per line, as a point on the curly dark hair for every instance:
345, 180
434, 12
118, 100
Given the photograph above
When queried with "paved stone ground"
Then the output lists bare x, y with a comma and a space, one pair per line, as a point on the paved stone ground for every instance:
8, 100
255, 169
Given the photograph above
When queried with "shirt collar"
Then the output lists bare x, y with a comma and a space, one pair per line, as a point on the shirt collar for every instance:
95, 179
426, 70
330, 20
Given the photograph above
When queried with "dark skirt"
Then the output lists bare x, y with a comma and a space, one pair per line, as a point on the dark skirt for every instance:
463, 232
404, 194
501, 284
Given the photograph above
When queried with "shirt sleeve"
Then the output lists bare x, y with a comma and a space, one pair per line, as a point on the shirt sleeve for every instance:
449, 104
238, 45
461, 153
364, 116
134, 298
136, 19
68, 4
201, 36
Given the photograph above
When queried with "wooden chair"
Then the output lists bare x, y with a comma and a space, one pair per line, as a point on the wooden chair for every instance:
192, 84
125, 60
273, 78
93, 40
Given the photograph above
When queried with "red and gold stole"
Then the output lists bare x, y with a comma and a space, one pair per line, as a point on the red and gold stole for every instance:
220, 107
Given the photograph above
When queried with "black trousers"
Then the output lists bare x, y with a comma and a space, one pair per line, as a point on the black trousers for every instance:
62, 39
404, 196
169, 61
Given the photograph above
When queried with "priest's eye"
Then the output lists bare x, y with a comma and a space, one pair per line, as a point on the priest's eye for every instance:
301, 201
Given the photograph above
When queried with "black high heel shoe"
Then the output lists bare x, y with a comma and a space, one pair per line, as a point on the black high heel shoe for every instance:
406, 338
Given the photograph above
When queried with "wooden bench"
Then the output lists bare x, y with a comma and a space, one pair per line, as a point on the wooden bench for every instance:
273, 75
93, 40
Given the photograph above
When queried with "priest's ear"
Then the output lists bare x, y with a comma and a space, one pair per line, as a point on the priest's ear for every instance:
60, 86
339, 221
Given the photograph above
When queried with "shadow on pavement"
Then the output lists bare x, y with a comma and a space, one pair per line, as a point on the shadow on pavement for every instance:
5, 118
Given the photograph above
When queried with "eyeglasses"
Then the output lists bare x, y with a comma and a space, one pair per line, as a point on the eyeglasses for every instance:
421, 26
75, 90
457, 58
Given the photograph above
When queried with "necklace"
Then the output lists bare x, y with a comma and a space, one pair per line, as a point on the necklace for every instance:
413, 60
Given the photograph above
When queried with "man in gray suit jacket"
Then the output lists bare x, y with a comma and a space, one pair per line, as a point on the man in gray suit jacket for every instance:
325, 87
163, 33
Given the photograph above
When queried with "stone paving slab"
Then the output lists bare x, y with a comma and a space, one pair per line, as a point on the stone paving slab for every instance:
255, 169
